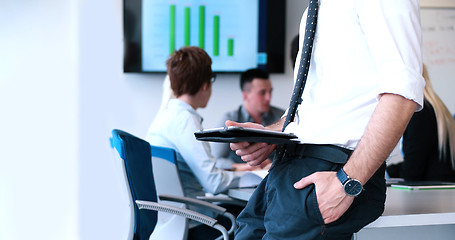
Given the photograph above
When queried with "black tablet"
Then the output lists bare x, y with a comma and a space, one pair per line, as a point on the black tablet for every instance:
240, 134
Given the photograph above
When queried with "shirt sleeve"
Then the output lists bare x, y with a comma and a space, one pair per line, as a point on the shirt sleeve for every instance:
394, 36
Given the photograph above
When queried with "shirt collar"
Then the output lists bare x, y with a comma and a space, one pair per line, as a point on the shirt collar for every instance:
267, 117
245, 114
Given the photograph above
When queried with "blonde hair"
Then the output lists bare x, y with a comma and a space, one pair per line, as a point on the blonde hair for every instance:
444, 119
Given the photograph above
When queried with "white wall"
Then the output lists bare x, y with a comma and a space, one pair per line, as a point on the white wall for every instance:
38, 120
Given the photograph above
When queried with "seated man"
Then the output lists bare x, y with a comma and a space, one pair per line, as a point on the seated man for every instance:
257, 93
191, 79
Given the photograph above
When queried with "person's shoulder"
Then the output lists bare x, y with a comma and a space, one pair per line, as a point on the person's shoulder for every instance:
231, 115
276, 110
173, 118
175, 112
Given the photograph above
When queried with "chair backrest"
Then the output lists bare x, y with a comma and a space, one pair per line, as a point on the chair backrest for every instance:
136, 156
167, 181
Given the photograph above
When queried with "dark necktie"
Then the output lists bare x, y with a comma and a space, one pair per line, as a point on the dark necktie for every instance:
296, 99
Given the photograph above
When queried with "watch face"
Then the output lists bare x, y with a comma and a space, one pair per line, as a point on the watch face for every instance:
352, 187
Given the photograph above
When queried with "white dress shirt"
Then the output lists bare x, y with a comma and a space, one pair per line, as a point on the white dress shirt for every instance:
362, 49
174, 128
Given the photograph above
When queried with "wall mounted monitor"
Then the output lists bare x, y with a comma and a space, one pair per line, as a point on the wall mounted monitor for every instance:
237, 34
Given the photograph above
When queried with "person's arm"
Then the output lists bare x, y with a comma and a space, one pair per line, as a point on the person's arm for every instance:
387, 124
393, 34
246, 167
277, 126
254, 153
383, 132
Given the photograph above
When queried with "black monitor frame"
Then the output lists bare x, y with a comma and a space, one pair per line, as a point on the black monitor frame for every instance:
271, 32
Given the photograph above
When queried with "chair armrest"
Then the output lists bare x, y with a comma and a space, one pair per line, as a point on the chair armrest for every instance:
222, 199
192, 201
184, 213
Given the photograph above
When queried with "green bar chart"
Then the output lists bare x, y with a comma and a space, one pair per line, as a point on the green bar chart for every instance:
187, 12
218, 27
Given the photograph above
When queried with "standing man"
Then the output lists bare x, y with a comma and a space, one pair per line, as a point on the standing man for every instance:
364, 83
256, 93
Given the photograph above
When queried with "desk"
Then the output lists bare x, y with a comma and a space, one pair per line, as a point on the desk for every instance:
241, 193
415, 214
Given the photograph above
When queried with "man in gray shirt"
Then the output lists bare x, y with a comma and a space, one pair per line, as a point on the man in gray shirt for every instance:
256, 93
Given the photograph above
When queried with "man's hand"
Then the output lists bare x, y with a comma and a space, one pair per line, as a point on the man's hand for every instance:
332, 200
252, 153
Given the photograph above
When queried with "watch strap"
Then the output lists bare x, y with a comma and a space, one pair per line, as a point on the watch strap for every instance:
342, 176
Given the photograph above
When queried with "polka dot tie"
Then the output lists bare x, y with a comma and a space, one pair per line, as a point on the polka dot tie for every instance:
296, 98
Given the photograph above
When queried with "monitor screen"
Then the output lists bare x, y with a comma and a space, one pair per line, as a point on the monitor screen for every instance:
237, 34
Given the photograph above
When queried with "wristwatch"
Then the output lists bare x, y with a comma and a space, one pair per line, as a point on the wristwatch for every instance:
352, 187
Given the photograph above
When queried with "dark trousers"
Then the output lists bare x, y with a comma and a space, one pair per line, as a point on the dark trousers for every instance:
277, 210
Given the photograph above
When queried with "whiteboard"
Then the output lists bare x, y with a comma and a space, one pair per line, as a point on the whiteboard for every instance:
438, 30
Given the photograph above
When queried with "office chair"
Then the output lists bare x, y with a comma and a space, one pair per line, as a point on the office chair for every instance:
167, 179
136, 155
167, 182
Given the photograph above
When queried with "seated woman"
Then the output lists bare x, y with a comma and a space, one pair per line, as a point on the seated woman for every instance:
428, 142
191, 78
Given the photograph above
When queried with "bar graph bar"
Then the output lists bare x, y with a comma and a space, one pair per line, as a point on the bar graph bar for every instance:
171, 29
187, 26
216, 35
202, 27
230, 48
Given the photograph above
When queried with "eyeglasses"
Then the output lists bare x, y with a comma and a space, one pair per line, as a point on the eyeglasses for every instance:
213, 79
